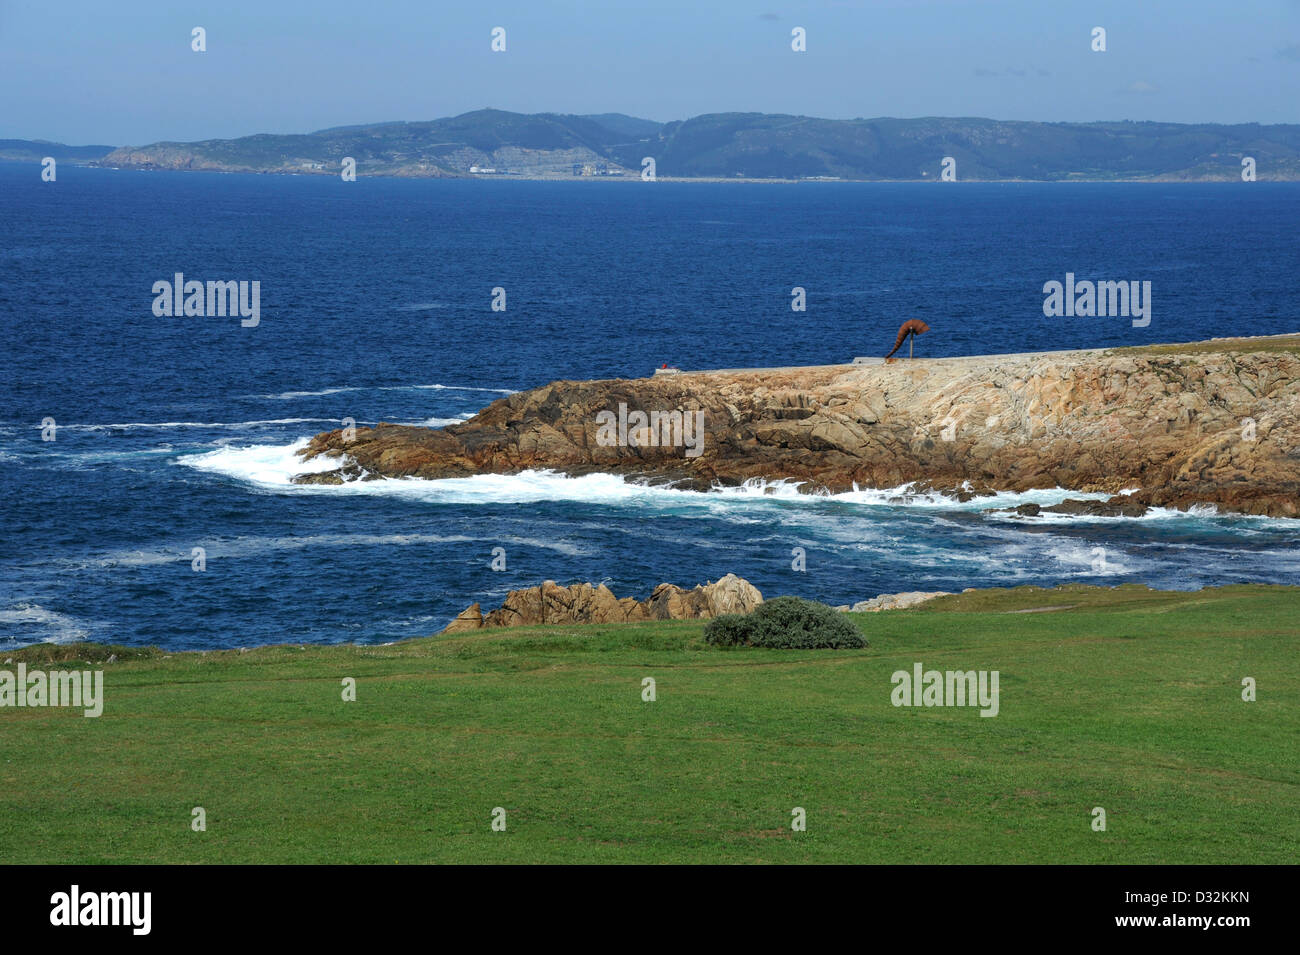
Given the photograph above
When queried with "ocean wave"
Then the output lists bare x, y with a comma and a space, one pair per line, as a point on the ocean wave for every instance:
1093, 560
196, 424
1205, 513
237, 547
274, 466
42, 625
437, 422
82, 460
266, 465
284, 396
289, 395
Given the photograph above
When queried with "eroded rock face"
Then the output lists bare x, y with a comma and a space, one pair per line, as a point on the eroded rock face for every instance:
551, 603
1219, 424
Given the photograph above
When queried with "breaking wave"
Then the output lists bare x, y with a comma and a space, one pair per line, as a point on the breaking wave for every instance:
272, 467
131, 425
289, 395
238, 547
30, 622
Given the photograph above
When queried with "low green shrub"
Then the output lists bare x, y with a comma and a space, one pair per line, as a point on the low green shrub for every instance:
729, 630
787, 623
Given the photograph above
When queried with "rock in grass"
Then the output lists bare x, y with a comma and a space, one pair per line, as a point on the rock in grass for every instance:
909, 598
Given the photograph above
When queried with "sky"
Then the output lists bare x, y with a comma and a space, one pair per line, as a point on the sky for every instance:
122, 72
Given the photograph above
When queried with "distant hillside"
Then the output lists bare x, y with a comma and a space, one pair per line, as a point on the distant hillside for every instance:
750, 145
541, 144
625, 125
37, 149
760, 145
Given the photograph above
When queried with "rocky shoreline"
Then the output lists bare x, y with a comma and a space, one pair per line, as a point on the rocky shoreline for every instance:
1214, 423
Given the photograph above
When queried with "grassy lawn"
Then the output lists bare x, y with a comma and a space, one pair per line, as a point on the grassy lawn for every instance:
1126, 699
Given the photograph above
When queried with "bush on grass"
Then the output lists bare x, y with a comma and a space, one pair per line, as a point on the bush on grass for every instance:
786, 623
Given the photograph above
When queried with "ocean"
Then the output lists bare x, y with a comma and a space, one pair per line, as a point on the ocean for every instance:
177, 433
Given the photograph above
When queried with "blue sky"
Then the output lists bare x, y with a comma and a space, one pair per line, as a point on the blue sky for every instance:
122, 71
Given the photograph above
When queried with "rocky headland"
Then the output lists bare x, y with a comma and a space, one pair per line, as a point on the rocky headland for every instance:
1209, 423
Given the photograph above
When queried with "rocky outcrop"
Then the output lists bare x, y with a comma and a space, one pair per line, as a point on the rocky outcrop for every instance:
901, 601
584, 603
1211, 423
1119, 505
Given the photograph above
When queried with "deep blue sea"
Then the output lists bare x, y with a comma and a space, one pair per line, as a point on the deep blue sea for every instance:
177, 433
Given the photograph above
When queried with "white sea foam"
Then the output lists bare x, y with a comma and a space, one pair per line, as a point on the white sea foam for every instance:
237, 547
266, 465
50, 625
274, 466
437, 422
1196, 512
498, 391
284, 396
933, 499
288, 395
1085, 559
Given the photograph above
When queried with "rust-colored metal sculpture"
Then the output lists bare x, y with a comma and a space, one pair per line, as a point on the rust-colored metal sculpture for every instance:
911, 328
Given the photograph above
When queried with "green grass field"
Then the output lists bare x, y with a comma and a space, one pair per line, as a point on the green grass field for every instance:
1126, 699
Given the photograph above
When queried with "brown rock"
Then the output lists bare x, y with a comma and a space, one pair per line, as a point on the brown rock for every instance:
550, 603
731, 594
1118, 506
471, 618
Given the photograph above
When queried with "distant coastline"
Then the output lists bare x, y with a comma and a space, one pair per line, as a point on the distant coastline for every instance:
631, 177
730, 147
